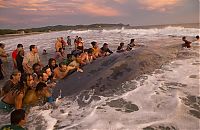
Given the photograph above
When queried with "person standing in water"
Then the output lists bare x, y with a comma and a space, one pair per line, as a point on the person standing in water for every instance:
69, 41
187, 43
31, 58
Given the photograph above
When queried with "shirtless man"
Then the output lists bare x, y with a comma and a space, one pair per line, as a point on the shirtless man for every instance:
14, 80
105, 51
58, 44
96, 50
13, 99
32, 97
62, 70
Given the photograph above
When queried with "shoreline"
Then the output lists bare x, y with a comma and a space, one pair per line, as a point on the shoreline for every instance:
12, 36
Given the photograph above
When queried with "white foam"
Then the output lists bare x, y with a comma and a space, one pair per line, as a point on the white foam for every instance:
113, 37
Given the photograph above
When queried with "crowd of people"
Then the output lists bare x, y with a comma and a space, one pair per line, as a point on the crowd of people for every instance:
32, 83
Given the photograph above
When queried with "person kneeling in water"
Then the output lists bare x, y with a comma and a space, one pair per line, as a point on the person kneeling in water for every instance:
33, 97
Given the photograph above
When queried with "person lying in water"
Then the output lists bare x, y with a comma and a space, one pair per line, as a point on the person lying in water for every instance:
34, 97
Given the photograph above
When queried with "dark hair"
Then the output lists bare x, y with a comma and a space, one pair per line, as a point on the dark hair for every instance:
26, 76
89, 51
40, 86
19, 45
35, 65
45, 68
50, 61
197, 37
183, 38
105, 44
69, 56
93, 43
17, 116
14, 73
31, 47
61, 64
60, 49
1, 44
40, 74
121, 44
132, 40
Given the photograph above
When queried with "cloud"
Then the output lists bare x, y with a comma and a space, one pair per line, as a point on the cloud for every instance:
120, 1
61, 7
159, 5
99, 10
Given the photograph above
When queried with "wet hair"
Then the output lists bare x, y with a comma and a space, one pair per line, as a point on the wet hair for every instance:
19, 45
183, 38
31, 47
197, 37
121, 44
80, 38
44, 69
60, 49
69, 56
89, 51
35, 65
93, 43
105, 44
40, 86
51, 60
132, 40
40, 74
14, 73
26, 76
61, 64
16, 116
2, 45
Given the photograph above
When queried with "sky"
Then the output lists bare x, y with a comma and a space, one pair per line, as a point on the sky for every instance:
15, 14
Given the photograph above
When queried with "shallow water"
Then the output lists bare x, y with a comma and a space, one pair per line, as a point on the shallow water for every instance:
168, 98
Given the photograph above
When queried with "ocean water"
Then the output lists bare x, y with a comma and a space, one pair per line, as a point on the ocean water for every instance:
112, 37
166, 99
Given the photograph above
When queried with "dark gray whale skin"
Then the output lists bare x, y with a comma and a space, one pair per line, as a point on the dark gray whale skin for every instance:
105, 75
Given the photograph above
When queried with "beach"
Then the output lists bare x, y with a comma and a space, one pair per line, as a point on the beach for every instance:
153, 87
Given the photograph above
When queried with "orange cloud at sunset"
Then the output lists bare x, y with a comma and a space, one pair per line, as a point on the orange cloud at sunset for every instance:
99, 10
42, 7
160, 5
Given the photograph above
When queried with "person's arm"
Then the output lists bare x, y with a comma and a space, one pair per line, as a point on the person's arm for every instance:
55, 76
4, 54
27, 68
109, 51
75, 44
18, 100
39, 61
3, 70
63, 74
